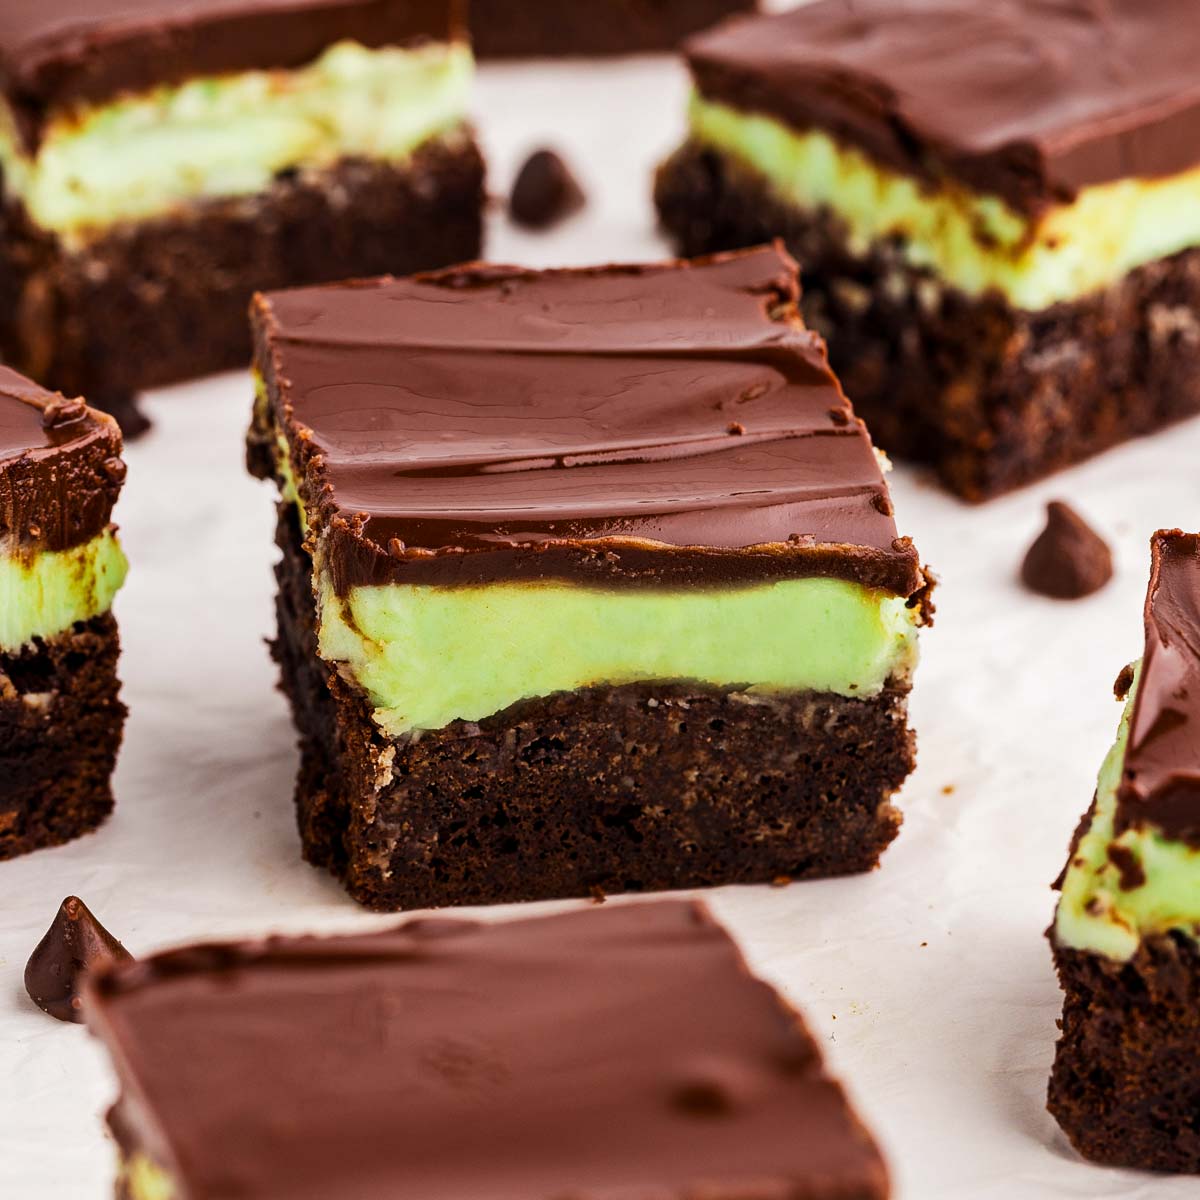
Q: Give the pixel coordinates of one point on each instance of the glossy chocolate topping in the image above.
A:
(654, 423)
(56, 52)
(60, 468)
(1160, 785)
(1030, 100)
(614, 1052)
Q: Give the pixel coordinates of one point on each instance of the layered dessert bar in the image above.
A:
(1126, 1080)
(541, 28)
(60, 566)
(590, 582)
(161, 161)
(996, 208)
(564, 1056)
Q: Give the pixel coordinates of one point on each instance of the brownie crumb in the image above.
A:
(1123, 682)
(545, 191)
(1069, 560)
(72, 945)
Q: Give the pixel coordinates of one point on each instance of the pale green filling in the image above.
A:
(426, 656)
(143, 155)
(44, 594)
(1095, 913)
(972, 242)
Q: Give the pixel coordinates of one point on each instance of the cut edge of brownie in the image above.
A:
(150, 303)
(1125, 1085)
(777, 787)
(61, 723)
(991, 396)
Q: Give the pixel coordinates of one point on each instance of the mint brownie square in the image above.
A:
(996, 208)
(590, 583)
(1126, 1080)
(162, 161)
(60, 566)
(525, 1060)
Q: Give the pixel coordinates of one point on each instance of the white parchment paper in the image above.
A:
(929, 981)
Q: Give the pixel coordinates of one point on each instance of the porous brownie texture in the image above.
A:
(1125, 1086)
(513, 28)
(989, 395)
(635, 788)
(61, 722)
(153, 302)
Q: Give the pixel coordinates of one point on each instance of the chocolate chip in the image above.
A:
(74, 944)
(545, 191)
(1069, 559)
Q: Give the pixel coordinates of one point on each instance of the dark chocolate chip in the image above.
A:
(545, 191)
(74, 944)
(1069, 559)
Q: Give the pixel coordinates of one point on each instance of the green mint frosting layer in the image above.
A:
(1095, 913)
(972, 242)
(427, 656)
(143, 155)
(44, 594)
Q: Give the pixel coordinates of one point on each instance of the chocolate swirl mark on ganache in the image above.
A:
(1024, 99)
(657, 423)
(1160, 781)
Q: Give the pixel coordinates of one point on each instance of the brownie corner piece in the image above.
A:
(516, 679)
(563, 1056)
(199, 153)
(996, 309)
(61, 718)
(1125, 1079)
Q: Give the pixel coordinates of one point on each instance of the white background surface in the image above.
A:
(929, 981)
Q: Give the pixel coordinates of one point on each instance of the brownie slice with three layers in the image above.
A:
(996, 208)
(162, 161)
(624, 1051)
(60, 566)
(1126, 1079)
(590, 582)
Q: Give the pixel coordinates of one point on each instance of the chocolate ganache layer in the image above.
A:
(60, 470)
(1029, 100)
(1160, 782)
(652, 424)
(55, 53)
(564, 1056)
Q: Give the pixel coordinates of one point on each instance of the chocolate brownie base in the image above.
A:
(540, 28)
(1126, 1081)
(60, 730)
(155, 302)
(611, 789)
(991, 396)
